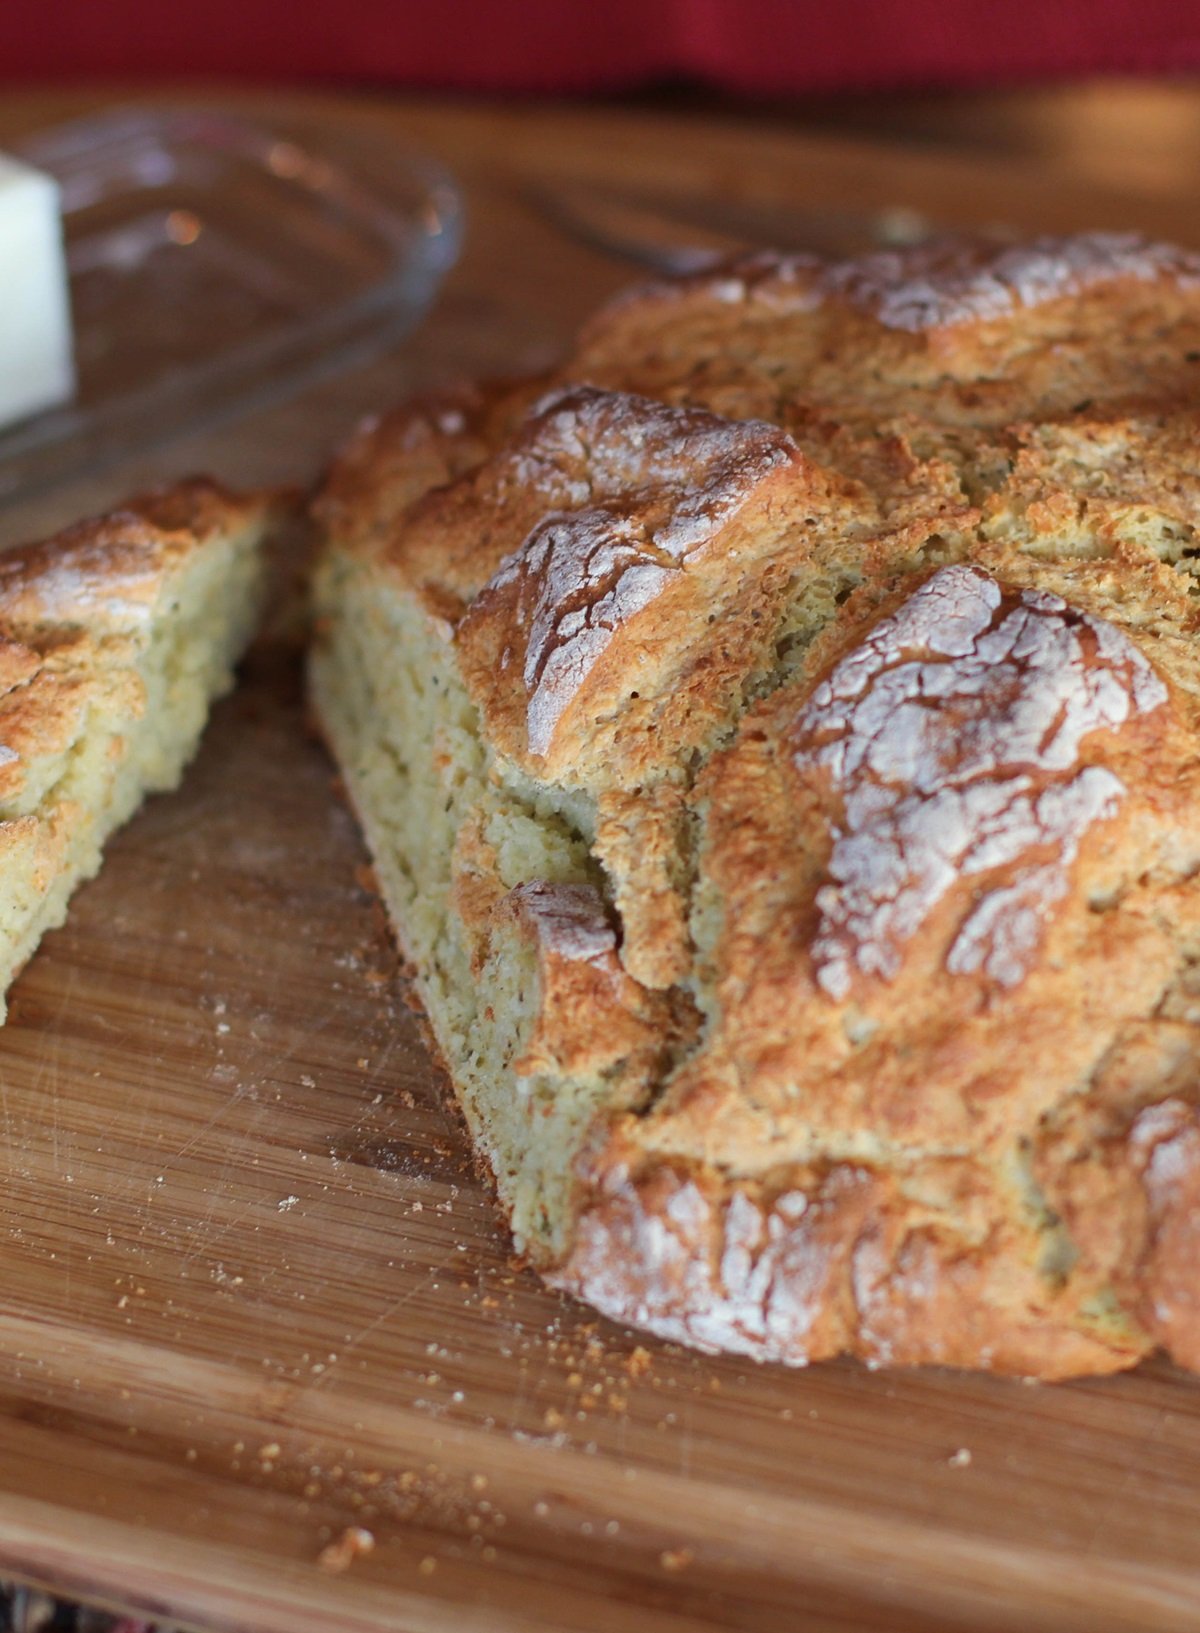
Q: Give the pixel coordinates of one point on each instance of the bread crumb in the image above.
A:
(354, 1542)
(675, 1559)
(961, 1459)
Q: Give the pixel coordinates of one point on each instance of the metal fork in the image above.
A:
(680, 233)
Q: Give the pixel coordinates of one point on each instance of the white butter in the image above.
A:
(35, 311)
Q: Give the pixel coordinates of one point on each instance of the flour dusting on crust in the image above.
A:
(588, 575)
(950, 741)
(568, 920)
(661, 483)
(780, 742)
(965, 287)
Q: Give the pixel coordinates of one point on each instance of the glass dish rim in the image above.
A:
(424, 239)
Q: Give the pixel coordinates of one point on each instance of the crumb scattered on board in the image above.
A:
(354, 1542)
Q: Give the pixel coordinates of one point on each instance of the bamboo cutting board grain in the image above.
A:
(264, 1360)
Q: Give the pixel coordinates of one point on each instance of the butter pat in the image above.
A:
(35, 311)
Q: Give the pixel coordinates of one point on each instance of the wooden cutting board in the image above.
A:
(264, 1360)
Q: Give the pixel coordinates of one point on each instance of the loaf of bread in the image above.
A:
(114, 638)
(776, 736)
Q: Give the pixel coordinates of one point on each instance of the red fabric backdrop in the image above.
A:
(772, 46)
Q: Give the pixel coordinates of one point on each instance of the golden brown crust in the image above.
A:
(851, 611)
(80, 614)
(958, 334)
(591, 1014)
(810, 1264)
(614, 520)
(641, 841)
(70, 601)
(1165, 1148)
(100, 572)
(939, 981)
(393, 460)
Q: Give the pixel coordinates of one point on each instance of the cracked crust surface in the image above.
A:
(843, 619)
(114, 635)
(71, 602)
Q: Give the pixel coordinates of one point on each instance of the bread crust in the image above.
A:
(849, 613)
(63, 598)
(75, 611)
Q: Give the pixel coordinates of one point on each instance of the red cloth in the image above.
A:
(767, 46)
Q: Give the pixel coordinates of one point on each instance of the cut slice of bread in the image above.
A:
(115, 636)
(778, 739)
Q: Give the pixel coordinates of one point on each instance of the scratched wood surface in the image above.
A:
(264, 1361)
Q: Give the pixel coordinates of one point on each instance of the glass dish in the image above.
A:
(215, 267)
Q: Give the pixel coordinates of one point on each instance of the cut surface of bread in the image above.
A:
(115, 636)
(777, 739)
